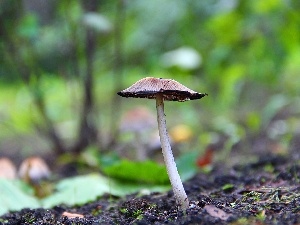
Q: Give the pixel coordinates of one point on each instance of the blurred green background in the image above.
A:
(62, 63)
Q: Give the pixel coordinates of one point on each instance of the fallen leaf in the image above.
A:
(216, 212)
(206, 159)
(74, 190)
(16, 195)
(72, 215)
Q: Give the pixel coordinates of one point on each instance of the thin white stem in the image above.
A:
(174, 177)
(141, 152)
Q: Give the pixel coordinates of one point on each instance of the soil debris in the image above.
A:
(265, 192)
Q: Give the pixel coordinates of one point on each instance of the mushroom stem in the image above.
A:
(177, 186)
(141, 152)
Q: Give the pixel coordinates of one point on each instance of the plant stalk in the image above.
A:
(177, 186)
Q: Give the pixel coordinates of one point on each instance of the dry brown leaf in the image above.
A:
(72, 215)
(216, 212)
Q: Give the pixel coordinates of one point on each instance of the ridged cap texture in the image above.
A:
(150, 86)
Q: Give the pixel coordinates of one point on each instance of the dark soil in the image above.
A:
(265, 192)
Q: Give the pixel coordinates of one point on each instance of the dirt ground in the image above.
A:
(264, 192)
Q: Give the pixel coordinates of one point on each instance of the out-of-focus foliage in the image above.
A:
(248, 61)
(75, 190)
(144, 172)
(16, 195)
(244, 54)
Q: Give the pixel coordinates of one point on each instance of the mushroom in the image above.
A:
(7, 169)
(138, 121)
(169, 90)
(34, 169)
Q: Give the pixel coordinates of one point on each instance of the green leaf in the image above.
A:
(275, 104)
(82, 189)
(14, 195)
(231, 85)
(253, 121)
(186, 165)
(142, 172)
(29, 26)
(227, 187)
(78, 190)
(97, 22)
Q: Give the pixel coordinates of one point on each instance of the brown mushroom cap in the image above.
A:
(150, 86)
(34, 169)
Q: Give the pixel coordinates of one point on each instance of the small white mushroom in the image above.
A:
(33, 170)
(170, 90)
(139, 121)
(7, 169)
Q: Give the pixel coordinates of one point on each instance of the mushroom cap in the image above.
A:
(150, 86)
(34, 169)
(7, 169)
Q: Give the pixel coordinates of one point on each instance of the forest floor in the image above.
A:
(264, 192)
